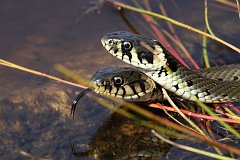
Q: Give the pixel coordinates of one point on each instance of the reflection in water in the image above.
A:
(122, 138)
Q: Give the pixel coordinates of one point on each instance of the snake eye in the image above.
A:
(110, 41)
(118, 81)
(127, 45)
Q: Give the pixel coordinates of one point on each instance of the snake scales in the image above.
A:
(170, 74)
(217, 84)
(133, 85)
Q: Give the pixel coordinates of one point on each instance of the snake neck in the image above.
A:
(187, 84)
(166, 70)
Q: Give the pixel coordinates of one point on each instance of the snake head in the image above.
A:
(126, 83)
(135, 49)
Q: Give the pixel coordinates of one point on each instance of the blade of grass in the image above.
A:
(195, 150)
(174, 119)
(238, 7)
(156, 118)
(194, 98)
(165, 42)
(221, 7)
(160, 36)
(205, 54)
(119, 4)
(186, 112)
(181, 46)
(30, 156)
(228, 3)
(228, 110)
(139, 120)
(206, 108)
(206, 18)
(15, 66)
(235, 109)
(182, 115)
(233, 116)
(176, 39)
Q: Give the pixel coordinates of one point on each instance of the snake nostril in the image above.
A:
(97, 82)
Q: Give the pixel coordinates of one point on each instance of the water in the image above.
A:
(34, 114)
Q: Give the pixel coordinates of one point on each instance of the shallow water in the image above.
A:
(34, 114)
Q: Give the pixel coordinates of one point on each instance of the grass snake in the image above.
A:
(133, 85)
(155, 61)
(217, 84)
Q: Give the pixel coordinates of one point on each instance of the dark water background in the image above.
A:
(34, 111)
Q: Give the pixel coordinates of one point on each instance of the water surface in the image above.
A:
(34, 115)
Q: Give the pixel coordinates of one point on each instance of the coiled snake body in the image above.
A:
(158, 63)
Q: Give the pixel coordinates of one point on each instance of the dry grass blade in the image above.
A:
(182, 115)
(28, 155)
(169, 115)
(12, 65)
(195, 150)
(146, 123)
(158, 119)
(177, 40)
(205, 107)
(228, 3)
(119, 4)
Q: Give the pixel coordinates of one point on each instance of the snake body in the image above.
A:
(157, 62)
(133, 85)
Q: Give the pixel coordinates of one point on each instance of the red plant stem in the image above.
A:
(235, 109)
(218, 108)
(122, 5)
(209, 129)
(173, 125)
(164, 40)
(186, 112)
(200, 124)
(222, 7)
(231, 4)
(170, 26)
(162, 9)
